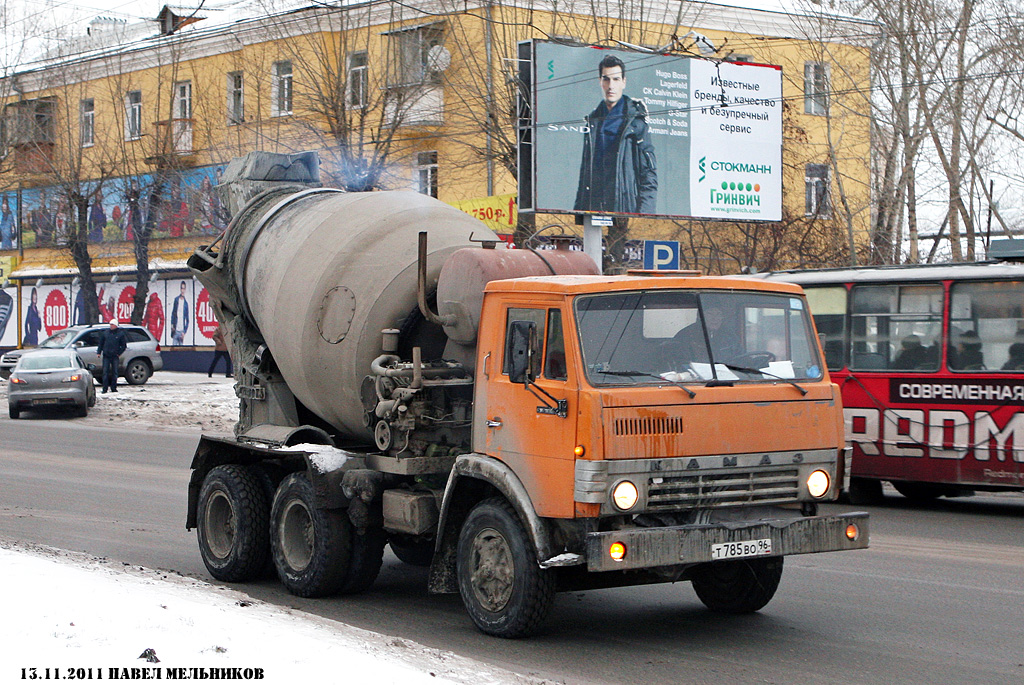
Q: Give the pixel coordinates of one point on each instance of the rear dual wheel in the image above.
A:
(317, 552)
(232, 523)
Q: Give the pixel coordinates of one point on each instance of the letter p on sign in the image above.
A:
(661, 254)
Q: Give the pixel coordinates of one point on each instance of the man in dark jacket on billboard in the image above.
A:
(618, 172)
(112, 343)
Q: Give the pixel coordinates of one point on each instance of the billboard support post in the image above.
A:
(593, 238)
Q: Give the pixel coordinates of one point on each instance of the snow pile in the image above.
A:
(69, 611)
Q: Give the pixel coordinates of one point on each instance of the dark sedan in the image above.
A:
(44, 379)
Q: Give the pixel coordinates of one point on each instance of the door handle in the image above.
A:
(494, 423)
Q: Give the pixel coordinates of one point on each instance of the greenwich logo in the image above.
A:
(736, 194)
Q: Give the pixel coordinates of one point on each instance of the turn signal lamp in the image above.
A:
(580, 450)
(818, 483)
(617, 551)
(625, 495)
(73, 379)
(18, 381)
(852, 532)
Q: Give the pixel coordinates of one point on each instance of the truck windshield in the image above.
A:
(637, 338)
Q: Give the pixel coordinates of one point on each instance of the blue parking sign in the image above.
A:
(661, 254)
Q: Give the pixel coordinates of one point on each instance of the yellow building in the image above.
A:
(123, 132)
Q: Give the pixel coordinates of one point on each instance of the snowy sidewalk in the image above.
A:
(72, 616)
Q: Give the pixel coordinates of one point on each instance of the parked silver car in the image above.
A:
(44, 379)
(137, 362)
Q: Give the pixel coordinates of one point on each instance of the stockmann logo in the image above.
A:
(700, 165)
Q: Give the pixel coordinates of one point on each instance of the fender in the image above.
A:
(255, 446)
(468, 484)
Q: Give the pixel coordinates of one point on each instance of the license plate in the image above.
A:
(737, 550)
(48, 400)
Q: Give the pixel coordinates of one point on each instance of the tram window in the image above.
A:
(896, 327)
(828, 307)
(986, 326)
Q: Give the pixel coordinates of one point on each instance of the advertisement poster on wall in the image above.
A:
(171, 205)
(46, 310)
(206, 319)
(640, 134)
(8, 317)
(179, 315)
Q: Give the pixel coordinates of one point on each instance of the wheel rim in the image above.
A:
(220, 525)
(493, 572)
(137, 371)
(296, 535)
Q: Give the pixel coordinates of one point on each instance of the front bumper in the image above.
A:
(691, 544)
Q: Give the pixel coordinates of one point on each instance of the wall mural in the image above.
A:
(173, 205)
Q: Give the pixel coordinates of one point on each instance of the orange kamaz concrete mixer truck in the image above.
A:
(512, 419)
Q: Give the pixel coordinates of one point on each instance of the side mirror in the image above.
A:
(520, 351)
(91, 367)
(78, 343)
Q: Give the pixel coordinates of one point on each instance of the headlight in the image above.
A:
(625, 495)
(818, 483)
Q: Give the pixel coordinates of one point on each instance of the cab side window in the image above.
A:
(522, 314)
(554, 354)
(135, 335)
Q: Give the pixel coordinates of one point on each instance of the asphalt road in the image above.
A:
(937, 598)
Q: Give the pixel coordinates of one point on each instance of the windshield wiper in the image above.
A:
(747, 369)
(630, 374)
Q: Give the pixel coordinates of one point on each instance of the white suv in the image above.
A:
(137, 362)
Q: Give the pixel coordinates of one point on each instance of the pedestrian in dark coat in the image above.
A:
(112, 343)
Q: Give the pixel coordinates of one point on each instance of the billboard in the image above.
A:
(171, 205)
(616, 132)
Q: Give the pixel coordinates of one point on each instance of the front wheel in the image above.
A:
(504, 589)
(137, 372)
(232, 523)
(311, 546)
(742, 586)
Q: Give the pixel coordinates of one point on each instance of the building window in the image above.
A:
(816, 196)
(236, 99)
(426, 163)
(133, 115)
(357, 80)
(29, 122)
(417, 56)
(282, 96)
(87, 122)
(815, 88)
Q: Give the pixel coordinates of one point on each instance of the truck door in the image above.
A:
(527, 427)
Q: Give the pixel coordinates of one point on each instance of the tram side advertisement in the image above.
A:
(954, 430)
(638, 134)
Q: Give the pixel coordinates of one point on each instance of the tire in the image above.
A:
(865, 491)
(920, 492)
(13, 411)
(311, 546)
(504, 589)
(413, 551)
(742, 586)
(82, 411)
(365, 561)
(233, 523)
(137, 372)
